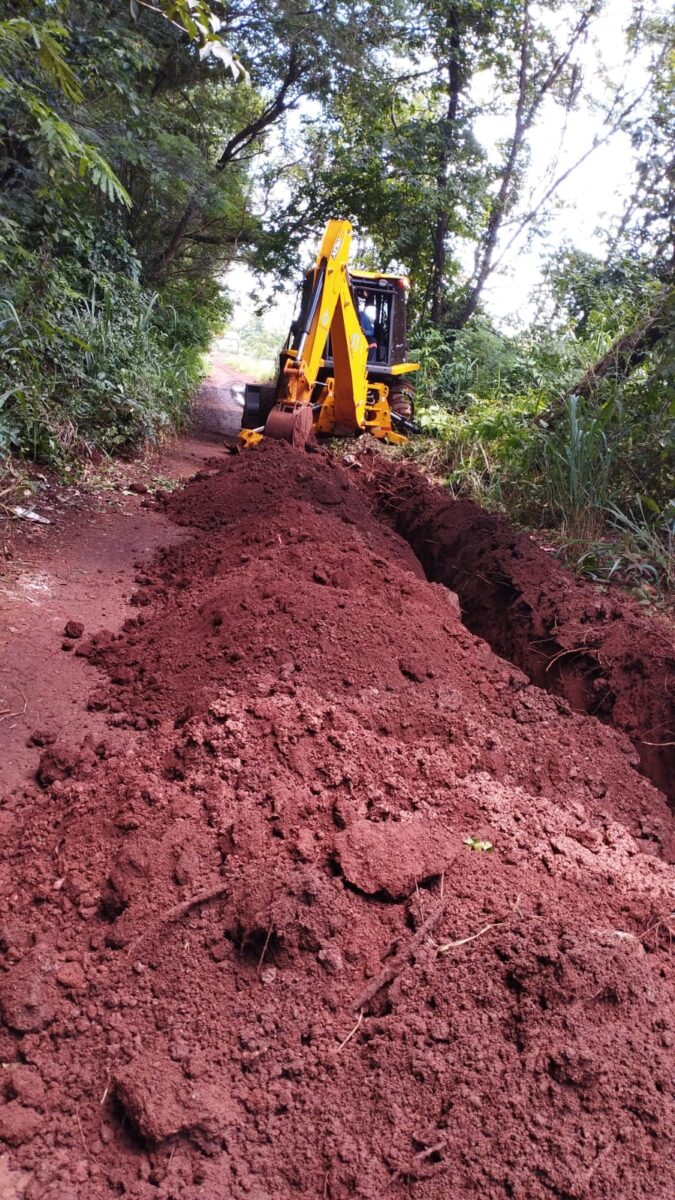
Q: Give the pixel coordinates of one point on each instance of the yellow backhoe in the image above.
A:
(342, 369)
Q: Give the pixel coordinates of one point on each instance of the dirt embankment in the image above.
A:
(260, 953)
(598, 651)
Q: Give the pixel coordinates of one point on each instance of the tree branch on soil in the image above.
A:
(178, 911)
(401, 961)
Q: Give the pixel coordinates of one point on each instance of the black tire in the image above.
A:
(258, 402)
(402, 401)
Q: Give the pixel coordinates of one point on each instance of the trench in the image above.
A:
(597, 651)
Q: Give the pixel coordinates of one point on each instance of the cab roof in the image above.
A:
(380, 275)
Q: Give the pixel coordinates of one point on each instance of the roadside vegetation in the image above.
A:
(147, 146)
(553, 426)
(98, 350)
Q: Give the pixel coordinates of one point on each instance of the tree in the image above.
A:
(38, 49)
(288, 53)
(632, 347)
(106, 123)
(544, 68)
(405, 154)
(648, 220)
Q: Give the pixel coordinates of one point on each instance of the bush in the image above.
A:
(89, 359)
(597, 472)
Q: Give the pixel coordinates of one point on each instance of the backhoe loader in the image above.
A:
(341, 371)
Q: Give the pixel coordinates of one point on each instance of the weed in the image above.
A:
(479, 844)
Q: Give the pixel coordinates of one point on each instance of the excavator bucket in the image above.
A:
(292, 425)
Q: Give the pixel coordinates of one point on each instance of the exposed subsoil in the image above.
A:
(601, 652)
(246, 949)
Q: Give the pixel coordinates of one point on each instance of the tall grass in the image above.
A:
(99, 371)
(578, 463)
(595, 474)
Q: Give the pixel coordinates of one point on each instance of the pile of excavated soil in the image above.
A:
(601, 652)
(359, 912)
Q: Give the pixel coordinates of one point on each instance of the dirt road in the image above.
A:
(81, 568)
(332, 901)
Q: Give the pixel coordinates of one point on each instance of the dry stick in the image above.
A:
(79, 1126)
(350, 1034)
(573, 650)
(20, 712)
(463, 941)
(180, 910)
(264, 949)
(399, 964)
(515, 907)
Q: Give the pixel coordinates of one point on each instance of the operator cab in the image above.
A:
(380, 302)
(373, 309)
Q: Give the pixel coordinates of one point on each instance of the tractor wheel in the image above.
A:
(402, 401)
(258, 403)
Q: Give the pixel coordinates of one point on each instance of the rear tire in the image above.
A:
(258, 403)
(402, 401)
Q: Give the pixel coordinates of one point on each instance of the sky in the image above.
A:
(591, 200)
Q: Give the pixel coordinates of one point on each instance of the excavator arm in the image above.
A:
(331, 310)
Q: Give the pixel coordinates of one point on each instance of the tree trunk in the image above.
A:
(486, 251)
(629, 350)
(174, 243)
(230, 153)
(527, 107)
(448, 129)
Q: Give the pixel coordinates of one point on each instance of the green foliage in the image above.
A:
(94, 355)
(257, 339)
(596, 299)
(595, 470)
(87, 371)
(578, 462)
(200, 22)
(478, 844)
(38, 49)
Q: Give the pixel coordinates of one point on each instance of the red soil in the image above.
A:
(247, 952)
(601, 652)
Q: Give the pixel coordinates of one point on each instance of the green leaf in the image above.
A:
(478, 844)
